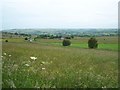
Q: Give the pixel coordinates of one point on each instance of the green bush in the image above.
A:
(66, 42)
(92, 43)
(6, 40)
(26, 38)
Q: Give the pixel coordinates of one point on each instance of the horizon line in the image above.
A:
(60, 28)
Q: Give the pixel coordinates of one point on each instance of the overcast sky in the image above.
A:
(59, 14)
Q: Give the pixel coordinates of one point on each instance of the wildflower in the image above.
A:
(27, 65)
(42, 62)
(5, 54)
(33, 58)
(104, 87)
(43, 68)
(50, 61)
(9, 55)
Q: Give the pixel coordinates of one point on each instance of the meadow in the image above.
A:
(45, 63)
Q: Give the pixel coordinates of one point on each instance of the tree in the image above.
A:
(67, 37)
(66, 42)
(16, 33)
(26, 38)
(6, 40)
(72, 36)
(92, 43)
(51, 37)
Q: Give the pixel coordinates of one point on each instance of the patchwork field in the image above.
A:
(45, 63)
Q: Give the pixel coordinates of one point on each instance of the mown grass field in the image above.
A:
(60, 67)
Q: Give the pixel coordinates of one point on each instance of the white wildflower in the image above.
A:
(104, 87)
(5, 54)
(42, 62)
(27, 65)
(33, 58)
(9, 55)
(43, 68)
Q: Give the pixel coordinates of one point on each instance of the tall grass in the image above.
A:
(57, 67)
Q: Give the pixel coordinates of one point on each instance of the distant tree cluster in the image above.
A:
(69, 37)
(22, 34)
(47, 36)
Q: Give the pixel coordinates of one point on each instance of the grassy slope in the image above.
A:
(64, 66)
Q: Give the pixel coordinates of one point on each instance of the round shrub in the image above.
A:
(6, 40)
(66, 42)
(92, 43)
(26, 38)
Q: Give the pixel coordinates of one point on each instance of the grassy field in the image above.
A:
(56, 66)
(105, 43)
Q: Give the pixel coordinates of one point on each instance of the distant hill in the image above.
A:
(97, 32)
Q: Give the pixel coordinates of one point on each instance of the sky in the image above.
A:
(59, 14)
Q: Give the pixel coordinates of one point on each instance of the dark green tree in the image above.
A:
(92, 43)
(6, 40)
(26, 38)
(66, 42)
